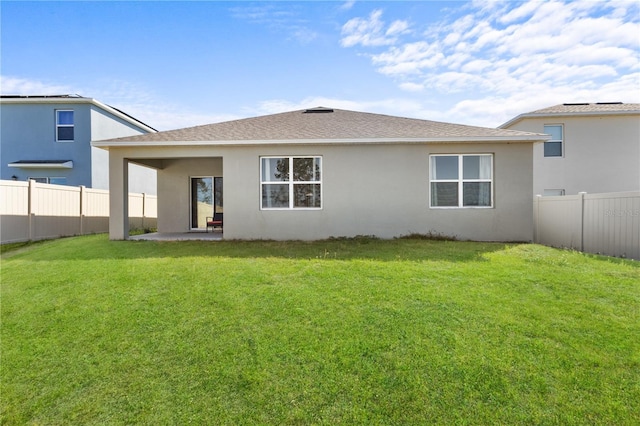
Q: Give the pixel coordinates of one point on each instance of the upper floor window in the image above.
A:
(461, 180)
(64, 126)
(553, 147)
(291, 182)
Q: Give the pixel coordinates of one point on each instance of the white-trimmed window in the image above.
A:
(553, 192)
(553, 147)
(291, 182)
(51, 180)
(64, 125)
(461, 180)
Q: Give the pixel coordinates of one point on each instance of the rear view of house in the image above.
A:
(322, 172)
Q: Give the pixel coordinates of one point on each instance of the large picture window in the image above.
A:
(64, 126)
(461, 180)
(291, 182)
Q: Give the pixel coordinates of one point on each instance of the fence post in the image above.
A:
(536, 219)
(30, 208)
(582, 194)
(144, 207)
(82, 208)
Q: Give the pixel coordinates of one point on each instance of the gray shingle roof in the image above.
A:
(589, 108)
(326, 124)
(579, 109)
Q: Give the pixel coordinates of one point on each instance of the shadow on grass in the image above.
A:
(407, 249)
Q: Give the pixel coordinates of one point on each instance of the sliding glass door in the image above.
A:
(206, 192)
(201, 201)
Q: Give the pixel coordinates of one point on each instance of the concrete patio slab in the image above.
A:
(178, 236)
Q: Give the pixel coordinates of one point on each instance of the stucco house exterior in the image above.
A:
(594, 147)
(48, 139)
(321, 172)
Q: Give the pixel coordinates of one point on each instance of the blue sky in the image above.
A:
(178, 64)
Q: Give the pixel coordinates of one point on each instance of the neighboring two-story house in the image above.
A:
(594, 148)
(48, 139)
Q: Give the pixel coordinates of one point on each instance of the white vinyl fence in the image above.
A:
(606, 224)
(35, 211)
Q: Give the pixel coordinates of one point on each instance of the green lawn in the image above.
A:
(361, 331)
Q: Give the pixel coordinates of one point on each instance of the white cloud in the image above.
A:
(411, 87)
(398, 27)
(173, 117)
(408, 59)
(393, 106)
(22, 86)
(277, 18)
(347, 5)
(304, 35)
(493, 60)
(263, 14)
(455, 82)
(135, 100)
(370, 31)
(518, 13)
(476, 65)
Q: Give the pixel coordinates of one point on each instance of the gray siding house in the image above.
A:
(48, 139)
(594, 147)
(319, 173)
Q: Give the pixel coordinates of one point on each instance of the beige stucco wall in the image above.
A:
(380, 190)
(174, 184)
(601, 154)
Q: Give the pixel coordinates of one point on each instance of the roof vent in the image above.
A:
(576, 104)
(318, 110)
(608, 103)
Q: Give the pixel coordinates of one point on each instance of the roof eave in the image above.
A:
(368, 141)
(563, 114)
(81, 100)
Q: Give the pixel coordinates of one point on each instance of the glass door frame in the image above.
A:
(216, 200)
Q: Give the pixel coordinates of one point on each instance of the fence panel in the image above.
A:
(32, 211)
(96, 202)
(612, 224)
(151, 206)
(558, 221)
(95, 211)
(55, 211)
(606, 224)
(14, 210)
(14, 198)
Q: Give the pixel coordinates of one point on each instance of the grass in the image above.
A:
(359, 331)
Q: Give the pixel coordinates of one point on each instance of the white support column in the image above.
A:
(118, 196)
